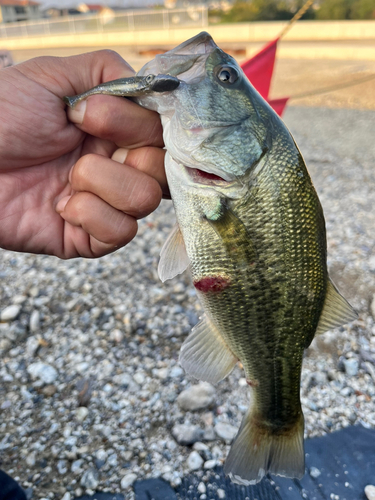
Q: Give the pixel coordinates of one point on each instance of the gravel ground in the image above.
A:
(91, 393)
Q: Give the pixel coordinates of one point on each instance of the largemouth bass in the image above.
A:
(251, 228)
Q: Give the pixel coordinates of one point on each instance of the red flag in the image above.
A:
(278, 104)
(259, 70)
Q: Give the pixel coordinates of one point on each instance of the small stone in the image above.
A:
(176, 371)
(220, 493)
(187, 434)
(31, 459)
(76, 466)
(139, 378)
(370, 492)
(202, 487)
(90, 479)
(10, 313)
(162, 373)
(34, 322)
(62, 467)
(128, 480)
(225, 431)
(19, 299)
(210, 464)
(81, 413)
(207, 418)
(194, 461)
(373, 307)
(198, 446)
(197, 397)
(317, 378)
(101, 454)
(314, 472)
(209, 434)
(66, 496)
(351, 366)
(32, 345)
(49, 390)
(116, 335)
(112, 460)
(45, 373)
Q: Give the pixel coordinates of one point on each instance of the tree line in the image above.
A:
(274, 10)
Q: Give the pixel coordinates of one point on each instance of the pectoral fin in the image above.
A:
(205, 354)
(173, 257)
(336, 310)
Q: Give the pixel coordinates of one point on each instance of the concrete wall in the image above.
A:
(229, 33)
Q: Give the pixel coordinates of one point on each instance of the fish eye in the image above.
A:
(227, 74)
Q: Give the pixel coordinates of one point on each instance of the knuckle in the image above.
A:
(78, 204)
(110, 55)
(81, 171)
(103, 123)
(122, 229)
(155, 132)
(149, 196)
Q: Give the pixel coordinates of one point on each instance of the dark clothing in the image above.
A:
(9, 489)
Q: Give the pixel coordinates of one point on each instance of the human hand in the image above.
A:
(74, 190)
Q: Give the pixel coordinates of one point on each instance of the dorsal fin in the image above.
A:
(336, 310)
(173, 256)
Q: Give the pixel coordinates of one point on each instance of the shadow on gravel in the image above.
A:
(338, 465)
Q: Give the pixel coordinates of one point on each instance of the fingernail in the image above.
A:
(62, 204)
(70, 175)
(77, 113)
(120, 155)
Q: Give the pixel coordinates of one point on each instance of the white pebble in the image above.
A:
(225, 431)
(10, 313)
(210, 464)
(45, 373)
(34, 322)
(81, 413)
(66, 496)
(197, 397)
(128, 480)
(202, 488)
(370, 492)
(314, 472)
(220, 493)
(194, 461)
(139, 378)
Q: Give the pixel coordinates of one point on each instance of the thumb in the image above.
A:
(76, 74)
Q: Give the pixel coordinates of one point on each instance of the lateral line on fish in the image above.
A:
(278, 340)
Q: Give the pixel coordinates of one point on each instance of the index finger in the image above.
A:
(118, 120)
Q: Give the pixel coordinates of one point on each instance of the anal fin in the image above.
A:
(205, 354)
(173, 257)
(336, 310)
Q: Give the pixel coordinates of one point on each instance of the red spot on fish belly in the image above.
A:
(211, 284)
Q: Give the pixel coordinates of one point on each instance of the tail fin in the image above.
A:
(256, 451)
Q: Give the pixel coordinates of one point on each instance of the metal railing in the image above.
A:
(109, 21)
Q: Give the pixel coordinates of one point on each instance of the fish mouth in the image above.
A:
(202, 177)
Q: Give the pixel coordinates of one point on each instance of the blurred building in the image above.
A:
(82, 8)
(211, 4)
(19, 10)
